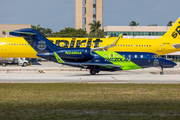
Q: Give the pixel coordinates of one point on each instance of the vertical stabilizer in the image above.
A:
(39, 43)
(174, 31)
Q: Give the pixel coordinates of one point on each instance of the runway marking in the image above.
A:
(113, 78)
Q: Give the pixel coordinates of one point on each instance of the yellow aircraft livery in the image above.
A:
(170, 42)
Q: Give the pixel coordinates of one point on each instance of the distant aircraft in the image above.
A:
(170, 42)
(88, 58)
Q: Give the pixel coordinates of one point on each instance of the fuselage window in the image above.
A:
(141, 56)
(128, 45)
(144, 45)
(135, 56)
(136, 45)
(149, 45)
(14, 44)
(19, 44)
(121, 45)
(141, 45)
(22, 44)
(129, 56)
(11, 44)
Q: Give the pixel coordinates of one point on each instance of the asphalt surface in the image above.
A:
(49, 72)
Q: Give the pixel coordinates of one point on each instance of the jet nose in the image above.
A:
(166, 63)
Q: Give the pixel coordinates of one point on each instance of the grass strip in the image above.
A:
(89, 101)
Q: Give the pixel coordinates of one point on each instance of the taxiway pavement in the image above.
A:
(49, 72)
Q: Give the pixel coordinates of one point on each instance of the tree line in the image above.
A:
(95, 30)
(134, 23)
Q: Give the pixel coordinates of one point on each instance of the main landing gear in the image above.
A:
(161, 71)
(94, 71)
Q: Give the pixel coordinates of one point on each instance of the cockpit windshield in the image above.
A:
(156, 56)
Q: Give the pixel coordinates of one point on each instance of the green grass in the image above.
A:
(90, 101)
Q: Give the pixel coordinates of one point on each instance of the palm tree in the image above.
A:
(133, 23)
(36, 27)
(170, 23)
(95, 28)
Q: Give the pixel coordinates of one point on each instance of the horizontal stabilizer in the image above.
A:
(109, 46)
(16, 33)
(176, 45)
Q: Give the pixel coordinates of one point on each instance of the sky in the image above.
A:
(58, 14)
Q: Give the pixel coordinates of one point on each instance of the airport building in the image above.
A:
(136, 31)
(11, 27)
(86, 11)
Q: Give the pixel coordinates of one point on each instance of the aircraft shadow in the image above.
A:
(35, 63)
(94, 75)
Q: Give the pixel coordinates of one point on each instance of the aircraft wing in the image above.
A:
(109, 46)
(176, 45)
(94, 64)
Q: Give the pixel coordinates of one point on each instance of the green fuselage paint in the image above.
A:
(117, 59)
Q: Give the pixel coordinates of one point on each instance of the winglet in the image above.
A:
(109, 46)
(117, 39)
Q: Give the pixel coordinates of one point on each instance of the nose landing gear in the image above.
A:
(161, 71)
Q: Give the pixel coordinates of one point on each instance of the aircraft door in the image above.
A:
(3, 44)
(159, 46)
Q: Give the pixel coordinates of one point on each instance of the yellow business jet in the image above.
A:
(170, 42)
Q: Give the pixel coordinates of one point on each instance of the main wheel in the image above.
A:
(3, 64)
(93, 71)
(24, 64)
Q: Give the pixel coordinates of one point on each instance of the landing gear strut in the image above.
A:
(161, 71)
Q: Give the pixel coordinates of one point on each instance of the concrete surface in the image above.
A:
(56, 73)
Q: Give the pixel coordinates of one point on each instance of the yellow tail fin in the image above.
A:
(174, 31)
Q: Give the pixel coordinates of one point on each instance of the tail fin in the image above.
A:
(174, 31)
(40, 43)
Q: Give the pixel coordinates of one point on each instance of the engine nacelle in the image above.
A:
(74, 53)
